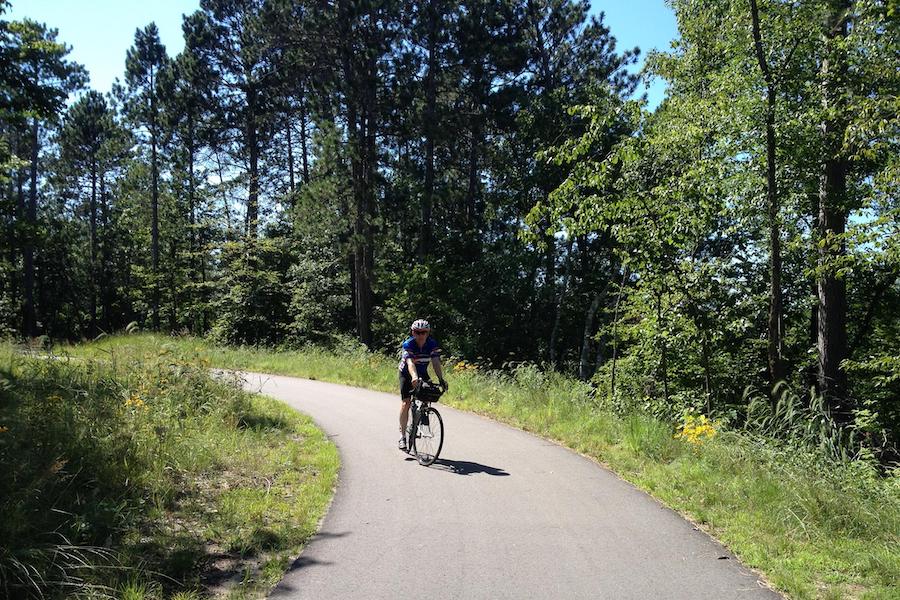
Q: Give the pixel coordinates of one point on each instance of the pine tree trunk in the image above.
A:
(360, 121)
(11, 220)
(290, 152)
(105, 291)
(554, 332)
(18, 230)
(615, 337)
(225, 206)
(195, 264)
(425, 230)
(360, 283)
(303, 135)
(475, 141)
(370, 153)
(546, 77)
(154, 219)
(473, 183)
(93, 269)
(173, 291)
(252, 141)
(28, 308)
(351, 269)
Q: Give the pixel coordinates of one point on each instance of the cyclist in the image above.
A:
(417, 351)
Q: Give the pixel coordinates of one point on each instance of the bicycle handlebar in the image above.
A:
(435, 391)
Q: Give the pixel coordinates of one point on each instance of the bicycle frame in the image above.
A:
(416, 409)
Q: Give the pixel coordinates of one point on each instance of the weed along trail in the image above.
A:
(501, 514)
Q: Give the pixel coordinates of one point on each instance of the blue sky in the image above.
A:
(100, 31)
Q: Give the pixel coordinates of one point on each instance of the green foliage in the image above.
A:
(107, 463)
(36, 78)
(253, 306)
(807, 423)
(320, 304)
(680, 193)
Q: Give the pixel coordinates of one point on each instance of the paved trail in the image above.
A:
(502, 514)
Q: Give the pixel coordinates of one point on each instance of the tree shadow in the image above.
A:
(464, 467)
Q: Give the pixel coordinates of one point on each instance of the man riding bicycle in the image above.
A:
(417, 351)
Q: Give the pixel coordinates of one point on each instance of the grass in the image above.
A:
(815, 528)
(139, 476)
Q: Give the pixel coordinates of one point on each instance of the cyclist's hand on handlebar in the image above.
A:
(416, 383)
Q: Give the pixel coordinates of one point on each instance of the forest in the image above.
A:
(319, 174)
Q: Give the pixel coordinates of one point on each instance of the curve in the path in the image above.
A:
(502, 514)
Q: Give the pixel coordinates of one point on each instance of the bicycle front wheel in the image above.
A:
(429, 436)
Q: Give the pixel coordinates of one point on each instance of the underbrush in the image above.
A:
(815, 524)
(139, 476)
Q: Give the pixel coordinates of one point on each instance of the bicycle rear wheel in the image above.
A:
(429, 437)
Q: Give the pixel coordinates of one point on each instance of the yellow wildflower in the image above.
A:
(697, 429)
(135, 401)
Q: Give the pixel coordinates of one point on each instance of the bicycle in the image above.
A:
(425, 436)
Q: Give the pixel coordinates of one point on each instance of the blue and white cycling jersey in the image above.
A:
(421, 356)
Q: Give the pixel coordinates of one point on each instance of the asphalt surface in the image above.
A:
(502, 514)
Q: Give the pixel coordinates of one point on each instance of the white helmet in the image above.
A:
(420, 325)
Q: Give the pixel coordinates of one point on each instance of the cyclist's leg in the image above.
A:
(405, 401)
(413, 427)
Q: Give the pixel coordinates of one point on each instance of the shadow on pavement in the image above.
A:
(464, 467)
(284, 589)
(304, 561)
(328, 534)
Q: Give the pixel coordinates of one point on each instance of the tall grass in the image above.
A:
(805, 422)
(117, 476)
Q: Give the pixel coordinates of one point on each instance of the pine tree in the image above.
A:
(43, 80)
(143, 64)
(232, 40)
(87, 133)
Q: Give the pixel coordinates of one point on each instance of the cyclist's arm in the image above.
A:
(411, 367)
(438, 369)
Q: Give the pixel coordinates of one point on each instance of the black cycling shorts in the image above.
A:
(406, 383)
